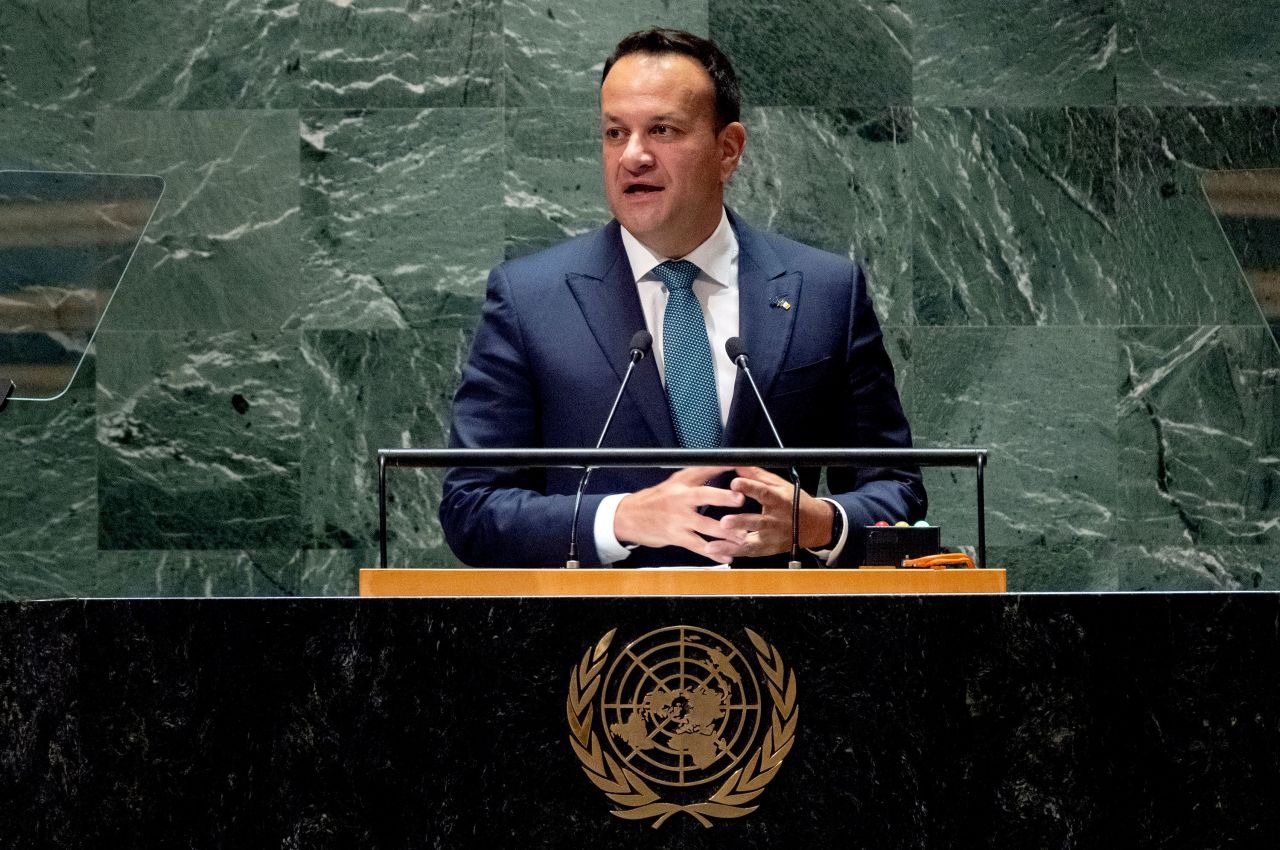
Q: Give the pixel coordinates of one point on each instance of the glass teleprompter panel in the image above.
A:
(66, 239)
(1247, 203)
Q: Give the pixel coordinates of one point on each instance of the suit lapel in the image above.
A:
(765, 323)
(606, 294)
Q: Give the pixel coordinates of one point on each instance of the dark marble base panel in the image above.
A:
(1109, 720)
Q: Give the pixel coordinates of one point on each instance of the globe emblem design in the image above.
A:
(680, 706)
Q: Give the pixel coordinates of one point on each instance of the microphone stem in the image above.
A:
(572, 563)
(795, 475)
(742, 364)
(617, 399)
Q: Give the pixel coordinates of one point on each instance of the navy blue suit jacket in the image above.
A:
(551, 350)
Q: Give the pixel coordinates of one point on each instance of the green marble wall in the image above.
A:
(1020, 178)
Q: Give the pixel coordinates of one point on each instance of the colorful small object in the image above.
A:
(902, 524)
(780, 302)
(882, 524)
(921, 524)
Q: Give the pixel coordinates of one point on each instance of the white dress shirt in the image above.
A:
(717, 290)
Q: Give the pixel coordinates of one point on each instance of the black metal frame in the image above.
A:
(676, 458)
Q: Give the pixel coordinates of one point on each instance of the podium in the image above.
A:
(673, 582)
(916, 720)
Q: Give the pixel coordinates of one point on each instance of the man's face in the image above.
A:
(665, 166)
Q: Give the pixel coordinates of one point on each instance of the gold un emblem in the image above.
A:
(681, 712)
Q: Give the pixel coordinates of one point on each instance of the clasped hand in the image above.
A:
(668, 514)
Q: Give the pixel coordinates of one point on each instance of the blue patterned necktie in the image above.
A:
(686, 358)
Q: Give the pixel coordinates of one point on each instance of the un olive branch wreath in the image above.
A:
(625, 788)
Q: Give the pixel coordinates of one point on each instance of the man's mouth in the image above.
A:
(637, 188)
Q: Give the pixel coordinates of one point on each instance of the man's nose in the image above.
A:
(636, 156)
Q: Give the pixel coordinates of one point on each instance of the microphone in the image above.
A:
(738, 354)
(641, 342)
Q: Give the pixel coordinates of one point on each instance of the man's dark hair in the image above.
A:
(702, 51)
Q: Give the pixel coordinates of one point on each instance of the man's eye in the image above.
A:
(662, 130)
(613, 133)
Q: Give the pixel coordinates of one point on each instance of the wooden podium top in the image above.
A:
(675, 582)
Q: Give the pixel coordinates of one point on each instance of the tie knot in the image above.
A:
(677, 274)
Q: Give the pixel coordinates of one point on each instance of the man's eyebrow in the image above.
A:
(666, 116)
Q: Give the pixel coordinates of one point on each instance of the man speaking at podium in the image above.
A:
(553, 346)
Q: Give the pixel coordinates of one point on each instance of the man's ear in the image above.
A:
(732, 139)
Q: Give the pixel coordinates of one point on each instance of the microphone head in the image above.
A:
(641, 342)
(734, 348)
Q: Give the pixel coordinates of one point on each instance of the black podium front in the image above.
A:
(946, 721)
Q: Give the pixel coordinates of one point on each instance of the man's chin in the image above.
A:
(642, 224)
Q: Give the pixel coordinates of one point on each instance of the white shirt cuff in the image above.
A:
(829, 555)
(607, 545)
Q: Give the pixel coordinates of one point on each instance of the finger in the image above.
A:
(754, 546)
(698, 546)
(717, 497)
(695, 475)
(755, 473)
(743, 522)
(722, 551)
(767, 542)
(762, 493)
(712, 528)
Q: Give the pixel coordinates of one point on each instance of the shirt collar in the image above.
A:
(716, 258)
